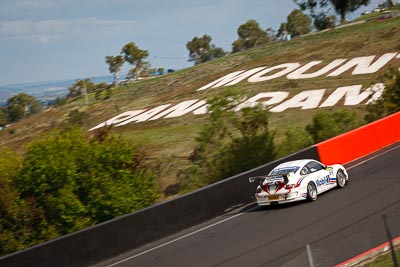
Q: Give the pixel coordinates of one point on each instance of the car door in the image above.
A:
(320, 175)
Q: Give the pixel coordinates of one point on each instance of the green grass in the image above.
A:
(384, 260)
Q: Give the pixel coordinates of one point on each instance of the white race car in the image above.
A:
(298, 180)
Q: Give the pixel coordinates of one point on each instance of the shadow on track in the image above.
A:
(276, 206)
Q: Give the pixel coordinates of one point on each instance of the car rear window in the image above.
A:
(284, 171)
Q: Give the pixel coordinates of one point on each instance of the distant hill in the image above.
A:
(328, 70)
(44, 91)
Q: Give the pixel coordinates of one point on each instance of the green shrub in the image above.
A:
(327, 124)
(68, 181)
(296, 139)
(389, 102)
(231, 142)
(77, 117)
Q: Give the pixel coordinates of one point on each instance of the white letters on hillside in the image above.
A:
(119, 118)
(361, 65)
(305, 100)
(144, 116)
(273, 98)
(364, 65)
(352, 95)
(286, 68)
(376, 90)
(277, 101)
(180, 109)
(231, 79)
(299, 73)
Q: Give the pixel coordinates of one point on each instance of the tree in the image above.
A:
(296, 139)
(231, 142)
(201, 50)
(198, 47)
(322, 22)
(386, 4)
(271, 34)
(86, 86)
(145, 70)
(298, 23)
(134, 56)
(250, 35)
(346, 6)
(282, 31)
(81, 87)
(327, 124)
(77, 181)
(389, 102)
(22, 224)
(214, 52)
(67, 181)
(22, 106)
(341, 7)
(114, 66)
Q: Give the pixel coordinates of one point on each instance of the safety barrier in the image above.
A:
(361, 141)
(111, 238)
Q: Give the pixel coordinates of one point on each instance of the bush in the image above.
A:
(21, 223)
(296, 139)
(79, 182)
(389, 102)
(66, 182)
(76, 117)
(327, 124)
(232, 142)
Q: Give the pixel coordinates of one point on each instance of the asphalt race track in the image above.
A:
(339, 225)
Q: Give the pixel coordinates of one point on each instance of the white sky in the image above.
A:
(43, 40)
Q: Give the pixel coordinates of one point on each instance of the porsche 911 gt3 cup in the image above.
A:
(298, 180)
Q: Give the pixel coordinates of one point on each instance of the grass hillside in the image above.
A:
(169, 142)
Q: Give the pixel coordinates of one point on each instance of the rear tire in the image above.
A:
(340, 179)
(311, 191)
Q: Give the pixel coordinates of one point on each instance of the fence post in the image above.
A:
(389, 235)
(309, 256)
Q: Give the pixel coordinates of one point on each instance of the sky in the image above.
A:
(49, 40)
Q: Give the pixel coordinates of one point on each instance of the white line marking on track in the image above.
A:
(227, 219)
(180, 238)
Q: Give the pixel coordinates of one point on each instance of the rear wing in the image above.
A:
(259, 179)
(269, 179)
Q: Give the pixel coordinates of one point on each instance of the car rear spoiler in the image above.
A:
(270, 179)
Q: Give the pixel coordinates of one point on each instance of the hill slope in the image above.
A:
(169, 141)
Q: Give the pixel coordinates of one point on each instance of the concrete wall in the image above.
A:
(117, 236)
(361, 141)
